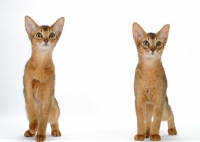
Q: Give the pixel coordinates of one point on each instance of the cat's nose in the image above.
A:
(46, 40)
(152, 49)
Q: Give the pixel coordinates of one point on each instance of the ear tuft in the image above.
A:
(58, 25)
(137, 31)
(163, 33)
(30, 25)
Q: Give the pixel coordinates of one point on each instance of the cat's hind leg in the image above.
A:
(55, 129)
(171, 126)
(148, 120)
(169, 117)
(53, 119)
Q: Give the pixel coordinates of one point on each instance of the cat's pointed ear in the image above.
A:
(137, 31)
(30, 25)
(163, 33)
(58, 25)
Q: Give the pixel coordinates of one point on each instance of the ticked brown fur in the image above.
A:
(150, 85)
(39, 79)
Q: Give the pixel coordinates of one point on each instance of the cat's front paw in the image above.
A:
(139, 137)
(155, 137)
(40, 138)
(172, 131)
(28, 134)
(56, 133)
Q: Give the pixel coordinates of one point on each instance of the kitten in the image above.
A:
(150, 85)
(39, 79)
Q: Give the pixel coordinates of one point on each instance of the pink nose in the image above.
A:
(152, 49)
(46, 40)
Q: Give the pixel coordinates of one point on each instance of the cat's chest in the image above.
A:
(41, 72)
(150, 76)
(44, 75)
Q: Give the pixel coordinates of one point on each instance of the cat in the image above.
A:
(150, 84)
(39, 79)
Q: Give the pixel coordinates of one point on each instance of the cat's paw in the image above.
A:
(139, 137)
(172, 131)
(155, 137)
(56, 133)
(40, 138)
(28, 134)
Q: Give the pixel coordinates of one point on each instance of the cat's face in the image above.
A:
(150, 45)
(43, 38)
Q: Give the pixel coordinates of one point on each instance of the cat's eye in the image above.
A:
(51, 35)
(145, 43)
(158, 44)
(38, 35)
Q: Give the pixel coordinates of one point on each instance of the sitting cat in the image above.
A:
(150, 84)
(39, 79)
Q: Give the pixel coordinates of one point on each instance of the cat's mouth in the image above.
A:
(46, 44)
(151, 55)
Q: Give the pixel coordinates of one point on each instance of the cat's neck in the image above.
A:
(41, 58)
(150, 63)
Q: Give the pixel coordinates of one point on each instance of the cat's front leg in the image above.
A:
(157, 116)
(30, 109)
(139, 105)
(46, 92)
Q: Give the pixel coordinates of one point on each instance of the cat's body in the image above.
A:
(39, 79)
(150, 84)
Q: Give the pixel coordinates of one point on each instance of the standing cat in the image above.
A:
(39, 79)
(150, 85)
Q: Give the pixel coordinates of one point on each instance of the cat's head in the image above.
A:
(150, 45)
(43, 37)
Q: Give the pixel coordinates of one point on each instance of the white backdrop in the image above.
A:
(95, 61)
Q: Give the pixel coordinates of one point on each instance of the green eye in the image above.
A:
(158, 43)
(145, 43)
(51, 35)
(38, 35)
